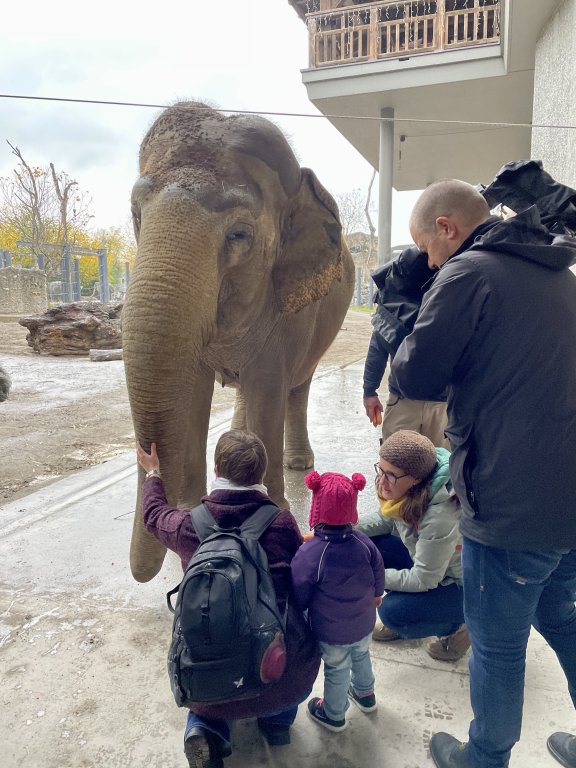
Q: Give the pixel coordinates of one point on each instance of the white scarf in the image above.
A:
(223, 484)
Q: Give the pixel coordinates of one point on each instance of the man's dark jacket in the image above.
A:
(398, 300)
(498, 328)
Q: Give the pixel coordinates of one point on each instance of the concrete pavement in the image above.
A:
(83, 646)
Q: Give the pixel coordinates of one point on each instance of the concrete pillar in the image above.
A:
(41, 260)
(385, 175)
(66, 275)
(358, 301)
(76, 287)
(103, 274)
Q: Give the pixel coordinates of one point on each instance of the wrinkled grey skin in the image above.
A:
(241, 273)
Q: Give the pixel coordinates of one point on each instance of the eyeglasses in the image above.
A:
(390, 476)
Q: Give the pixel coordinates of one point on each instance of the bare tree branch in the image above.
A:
(372, 229)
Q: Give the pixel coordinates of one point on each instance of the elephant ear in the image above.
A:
(310, 257)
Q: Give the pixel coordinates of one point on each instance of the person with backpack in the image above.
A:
(338, 577)
(288, 664)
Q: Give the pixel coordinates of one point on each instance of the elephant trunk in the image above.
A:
(166, 321)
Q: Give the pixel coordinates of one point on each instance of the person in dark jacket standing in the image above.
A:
(497, 327)
(237, 492)
(400, 289)
(338, 576)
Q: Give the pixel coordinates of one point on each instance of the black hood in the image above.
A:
(525, 237)
(410, 268)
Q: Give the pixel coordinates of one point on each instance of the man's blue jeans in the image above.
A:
(345, 664)
(505, 592)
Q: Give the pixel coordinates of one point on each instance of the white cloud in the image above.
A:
(231, 54)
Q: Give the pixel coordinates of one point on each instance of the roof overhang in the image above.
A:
(461, 113)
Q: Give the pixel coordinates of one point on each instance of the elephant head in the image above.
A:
(236, 244)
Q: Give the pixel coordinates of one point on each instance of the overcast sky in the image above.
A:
(235, 54)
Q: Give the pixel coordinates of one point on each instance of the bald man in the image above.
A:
(497, 328)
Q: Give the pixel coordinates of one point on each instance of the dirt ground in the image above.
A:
(67, 413)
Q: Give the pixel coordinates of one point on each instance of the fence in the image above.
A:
(387, 29)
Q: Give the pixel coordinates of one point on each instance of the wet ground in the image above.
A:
(83, 646)
(68, 413)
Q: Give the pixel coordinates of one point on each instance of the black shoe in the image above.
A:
(316, 712)
(448, 752)
(563, 747)
(276, 735)
(364, 703)
(202, 749)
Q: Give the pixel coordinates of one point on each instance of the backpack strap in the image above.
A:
(253, 527)
(202, 521)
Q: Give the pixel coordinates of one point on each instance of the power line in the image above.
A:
(482, 123)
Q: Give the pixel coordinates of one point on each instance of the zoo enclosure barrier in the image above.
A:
(68, 288)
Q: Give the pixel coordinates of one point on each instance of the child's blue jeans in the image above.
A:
(345, 664)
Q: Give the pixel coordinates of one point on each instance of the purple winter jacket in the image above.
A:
(280, 541)
(336, 576)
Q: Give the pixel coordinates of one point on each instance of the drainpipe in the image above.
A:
(385, 172)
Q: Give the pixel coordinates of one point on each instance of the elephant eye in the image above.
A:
(239, 234)
(136, 222)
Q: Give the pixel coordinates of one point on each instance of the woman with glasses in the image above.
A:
(416, 530)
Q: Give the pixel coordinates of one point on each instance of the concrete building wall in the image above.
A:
(555, 95)
(22, 291)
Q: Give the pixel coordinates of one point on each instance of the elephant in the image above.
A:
(241, 273)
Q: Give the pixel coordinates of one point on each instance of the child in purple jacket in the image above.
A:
(338, 576)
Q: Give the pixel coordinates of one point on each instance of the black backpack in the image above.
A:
(228, 633)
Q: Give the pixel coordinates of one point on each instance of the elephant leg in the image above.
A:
(265, 397)
(194, 467)
(239, 418)
(298, 453)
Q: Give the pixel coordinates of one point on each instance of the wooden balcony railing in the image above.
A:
(352, 33)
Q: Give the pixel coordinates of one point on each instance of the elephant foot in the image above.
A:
(299, 460)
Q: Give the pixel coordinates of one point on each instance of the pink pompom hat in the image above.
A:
(334, 498)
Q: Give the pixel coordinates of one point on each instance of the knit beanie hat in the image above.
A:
(410, 451)
(334, 498)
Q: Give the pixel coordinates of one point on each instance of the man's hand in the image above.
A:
(374, 409)
(377, 602)
(147, 461)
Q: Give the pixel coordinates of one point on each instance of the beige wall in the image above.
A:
(22, 290)
(555, 95)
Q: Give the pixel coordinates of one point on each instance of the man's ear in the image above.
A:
(447, 227)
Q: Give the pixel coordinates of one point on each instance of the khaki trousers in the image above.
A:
(427, 417)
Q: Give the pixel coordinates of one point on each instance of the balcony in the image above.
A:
(343, 32)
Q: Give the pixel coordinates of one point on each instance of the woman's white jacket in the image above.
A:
(435, 545)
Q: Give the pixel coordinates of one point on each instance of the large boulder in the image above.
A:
(75, 329)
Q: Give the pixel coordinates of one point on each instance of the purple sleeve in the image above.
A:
(162, 520)
(304, 568)
(376, 562)
(378, 568)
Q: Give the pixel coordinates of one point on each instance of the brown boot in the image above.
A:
(384, 634)
(450, 648)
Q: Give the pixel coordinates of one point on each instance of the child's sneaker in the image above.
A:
(316, 712)
(366, 703)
